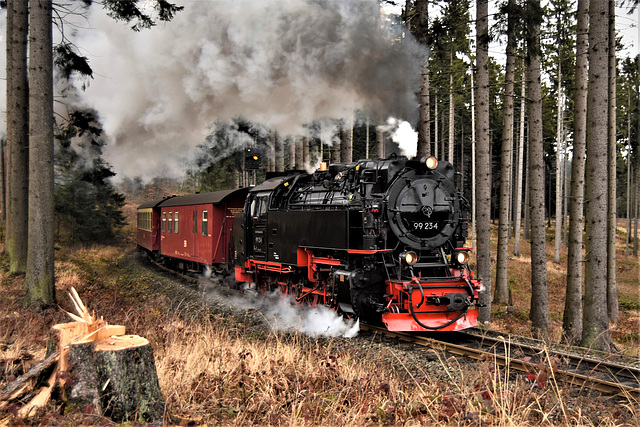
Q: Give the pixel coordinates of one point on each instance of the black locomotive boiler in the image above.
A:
(382, 239)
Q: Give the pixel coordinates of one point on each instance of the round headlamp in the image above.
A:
(462, 257)
(409, 257)
(431, 162)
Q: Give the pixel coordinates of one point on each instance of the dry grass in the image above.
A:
(226, 371)
(216, 375)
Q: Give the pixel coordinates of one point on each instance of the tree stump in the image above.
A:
(127, 382)
(103, 370)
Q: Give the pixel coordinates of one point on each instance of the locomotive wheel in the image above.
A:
(313, 300)
(284, 289)
(264, 287)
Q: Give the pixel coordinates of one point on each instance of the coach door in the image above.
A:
(193, 235)
(258, 225)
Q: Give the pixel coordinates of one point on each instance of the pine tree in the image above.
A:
(572, 319)
(483, 157)
(502, 292)
(39, 281)
(17, 135)
(87, 207)
(421, 31)
(539, 312)
(520, 169)
(612, 154)
(595, 320)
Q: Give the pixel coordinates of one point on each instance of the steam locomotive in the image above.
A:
(379, 239)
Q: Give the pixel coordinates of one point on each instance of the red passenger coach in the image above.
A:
(196, 230)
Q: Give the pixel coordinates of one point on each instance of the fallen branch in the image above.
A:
(33, 372)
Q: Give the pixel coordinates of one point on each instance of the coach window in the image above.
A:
(195, 222)
(205, 223)
(170, 227)
(164, 222)
(175, 223)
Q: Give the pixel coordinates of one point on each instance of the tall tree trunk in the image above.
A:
(299, 153)
(567, 185)
(305, 152)
(572, 319)
(559, 159)
(292, 154)
(347, 140)
(424, 128)
(626, 248)
(527, 197)
(271, 158)
(612, 217)
(483, 185)
(595, 320)
(518, 214)
(450, 157)
(637, 204)
(3, 181)
(39, 281)
(539, 312)
(336, 146)
(367, 138)
(629, 197)
(443, 140)
(501, 295)
(17, 135)
(436, 130)
(380, 143)
(279, 147)
(473, 166)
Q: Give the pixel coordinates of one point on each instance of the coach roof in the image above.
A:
(152, 203)
(205, 198)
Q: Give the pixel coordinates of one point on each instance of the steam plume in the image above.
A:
(281, 313)
(281, 63)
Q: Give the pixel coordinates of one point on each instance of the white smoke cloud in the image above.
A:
(281, 63)
(281, 313)
(402, 134)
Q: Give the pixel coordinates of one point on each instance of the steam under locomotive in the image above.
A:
(380, 239)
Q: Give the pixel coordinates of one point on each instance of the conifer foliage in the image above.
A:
(87, 206)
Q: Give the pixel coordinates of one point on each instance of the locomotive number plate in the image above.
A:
(425, 225)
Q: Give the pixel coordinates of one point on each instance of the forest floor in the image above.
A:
(224, 363)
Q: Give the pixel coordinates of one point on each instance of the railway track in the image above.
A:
(576, 369)
(526, 355)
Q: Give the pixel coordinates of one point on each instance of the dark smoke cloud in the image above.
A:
(280, 63)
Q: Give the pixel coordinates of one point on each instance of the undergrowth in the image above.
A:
(223, 370)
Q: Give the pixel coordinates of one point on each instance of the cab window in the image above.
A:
(259, 207)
